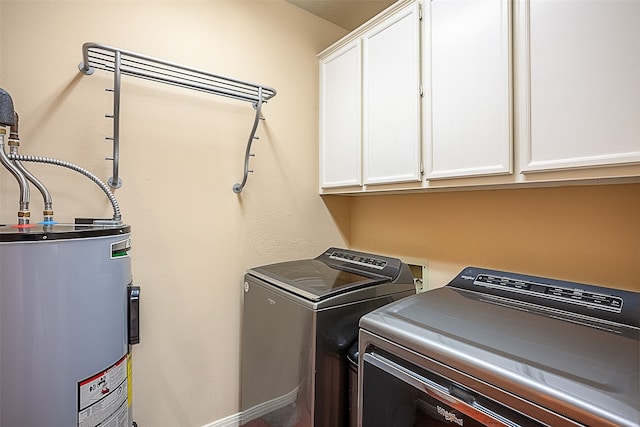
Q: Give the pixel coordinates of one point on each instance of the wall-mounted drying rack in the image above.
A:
(122, 62)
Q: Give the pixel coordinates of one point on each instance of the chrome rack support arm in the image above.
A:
(237, 188)
(115, 181)
(122, 62)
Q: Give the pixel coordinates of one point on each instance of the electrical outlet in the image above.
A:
(420, 270)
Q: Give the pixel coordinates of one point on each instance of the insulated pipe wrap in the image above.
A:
(7, 112)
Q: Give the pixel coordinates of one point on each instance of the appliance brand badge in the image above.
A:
(465, 277)
(450, 416)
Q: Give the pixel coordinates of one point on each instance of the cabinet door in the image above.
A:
(584, 83)
(391, 98)
(340, 117)
(468, 124)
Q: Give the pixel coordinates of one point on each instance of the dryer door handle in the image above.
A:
(456, 408)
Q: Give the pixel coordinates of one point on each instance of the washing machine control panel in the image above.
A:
(352, 258)
(370, 265)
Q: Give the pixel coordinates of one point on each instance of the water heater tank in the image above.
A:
(68, 315)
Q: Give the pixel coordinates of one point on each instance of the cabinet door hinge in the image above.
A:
(419, 11)
(421, 91)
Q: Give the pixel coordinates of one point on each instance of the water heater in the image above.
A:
(68, 316)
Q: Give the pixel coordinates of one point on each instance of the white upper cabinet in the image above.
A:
(468, 112)
(581, 60)
(370, 103)
(391, 95)
(514, 93)
(340, 117)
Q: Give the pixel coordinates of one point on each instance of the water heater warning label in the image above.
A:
(102, 398)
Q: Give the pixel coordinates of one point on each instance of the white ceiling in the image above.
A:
(348, 14)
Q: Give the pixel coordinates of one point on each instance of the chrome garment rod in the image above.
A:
(122, 62)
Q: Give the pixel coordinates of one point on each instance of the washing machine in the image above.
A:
(299, 320)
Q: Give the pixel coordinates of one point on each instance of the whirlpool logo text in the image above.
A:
(450, 416)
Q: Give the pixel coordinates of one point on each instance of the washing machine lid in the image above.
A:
(312, 279)
(335, 271)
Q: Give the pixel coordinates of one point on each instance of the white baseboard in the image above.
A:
(230, 421)
(269, 406)
(257, 411)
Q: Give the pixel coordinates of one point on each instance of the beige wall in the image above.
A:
(181, 153)
(587, 234)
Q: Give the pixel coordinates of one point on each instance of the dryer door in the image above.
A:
(408, 396)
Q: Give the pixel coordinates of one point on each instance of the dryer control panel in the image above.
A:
(595, 302)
